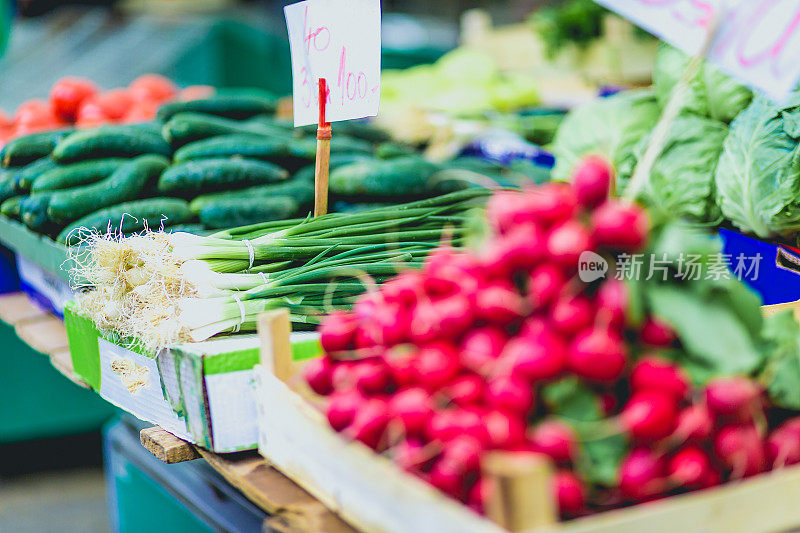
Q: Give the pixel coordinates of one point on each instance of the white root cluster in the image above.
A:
(132, 285)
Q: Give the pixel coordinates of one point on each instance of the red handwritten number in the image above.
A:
(351, 85)
(319, 38)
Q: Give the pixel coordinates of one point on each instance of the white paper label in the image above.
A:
(339, 40)
(756, 40)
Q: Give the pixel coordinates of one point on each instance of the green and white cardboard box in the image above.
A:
(200, 392)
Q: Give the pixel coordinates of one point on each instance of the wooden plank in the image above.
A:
(17, 307)
(166, 446)
(62, 361)
(522, 498)
(46, 334)
(274, 329)
(293, 508)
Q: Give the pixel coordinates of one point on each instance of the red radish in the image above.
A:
(390, 324)
(337, 332)
(371, 376)
(481, 347)
(534, 358)
(504, 431)
(656, 332)
(369, 422)
(612, 301)
(67, 95)
(555, 439)
(412, 407)
(436, 365)
(342, 408)
(455, 314)
(405, 289)
(318, 375)
(550, 203)
(740, 448)
(497, 304)
(655, 373)
(544, 285)
(571, 314)
(465, 390)
(153, 87)
(425, 326)
(694, 424)
(649, 415)
(367, 304)
(410, 455)
(597, 354)
(608, 403)
(509, 394)
(732, 396)
(783, 446)
(448, 476)
(591, 180)
(506, 210)
(620, 226)
(342, 376)
(533, 327)
(447, 424)
(690, 468)
(400, 360)
(478, 495)
(567, 241)
(521, 248)
(641, 475)
(570, 493)
(464, 450)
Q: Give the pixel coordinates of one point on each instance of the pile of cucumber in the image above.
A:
(221, 162)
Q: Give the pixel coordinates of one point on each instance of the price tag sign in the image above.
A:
(339, 40)
(756, 40)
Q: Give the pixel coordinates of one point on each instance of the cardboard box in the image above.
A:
(200, 392)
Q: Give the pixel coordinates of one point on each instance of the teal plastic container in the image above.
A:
(36, 401)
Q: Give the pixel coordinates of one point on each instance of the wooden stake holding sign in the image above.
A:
(336, 62)
(323, 163)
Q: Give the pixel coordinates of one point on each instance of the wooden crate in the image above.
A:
(371, 493)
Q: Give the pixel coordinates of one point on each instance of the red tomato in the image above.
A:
(5, 120)
(91, 114)
(153, 87)
(196, 92)
(35, 115)
(142, 111)
(114, 103)
(67, 95)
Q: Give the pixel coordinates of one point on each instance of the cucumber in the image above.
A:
(10, 207)
(110, 141)
(8, 185)
(33, 211)
(234, 212)
(85, 172)
(128, 217)
(362, 130)
(236, 106)
(24, 150)
(127, 182)
(28, 174)
(284, 151)
(403, 176)
(342, 144)
(390, 150)
(301, 190)
(187, 127)
(194, 229)
(208, 175)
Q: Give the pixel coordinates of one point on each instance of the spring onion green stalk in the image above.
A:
(161, 288)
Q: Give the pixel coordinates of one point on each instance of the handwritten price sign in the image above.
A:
(339, 40)
(757, 40)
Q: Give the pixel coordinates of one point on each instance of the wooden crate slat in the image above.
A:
(166, 446)
(46, 334)
(17, 307)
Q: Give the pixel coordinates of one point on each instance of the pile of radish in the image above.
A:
(80, 102)
(507, 349)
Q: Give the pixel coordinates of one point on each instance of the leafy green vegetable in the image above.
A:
(573, 21)
(570, 399)
(600, 459)
(781, 373)
(682, 179)
(757, 177)
(610, 127)
(712, 93)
